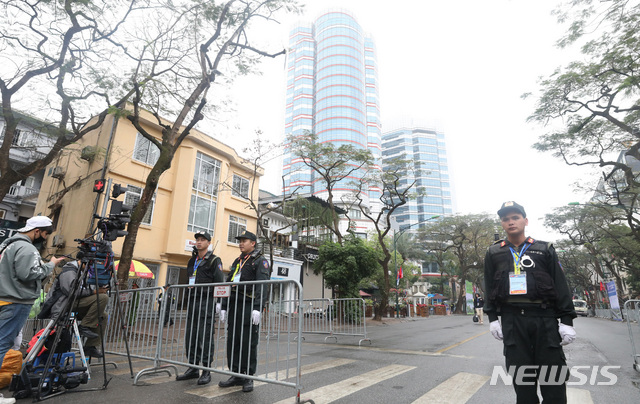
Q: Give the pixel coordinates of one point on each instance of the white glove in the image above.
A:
(218, 307)
(567, 332)
(255, 317)
(223, 315)
(496, 329)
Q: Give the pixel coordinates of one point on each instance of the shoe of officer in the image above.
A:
(93, 352)
(233, 381)
(247, 386)
(86, 332)
(191, 373)
(205, 378)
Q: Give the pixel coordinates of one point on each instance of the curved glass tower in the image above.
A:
(332, 91)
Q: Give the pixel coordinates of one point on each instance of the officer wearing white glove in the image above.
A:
(528, 298)
(496, 329)
(255, 317)
(223, 316)
(567, 332)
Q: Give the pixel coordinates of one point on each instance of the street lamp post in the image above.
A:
(395, 255)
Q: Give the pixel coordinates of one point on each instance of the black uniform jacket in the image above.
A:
(255, 268)
(209, 270)
(546, 283)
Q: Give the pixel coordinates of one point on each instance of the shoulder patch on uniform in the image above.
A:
(530, 240)
(504, 243)
(265, 263)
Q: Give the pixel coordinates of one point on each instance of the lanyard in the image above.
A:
(195, 266)
(517, 257)
(239, 267)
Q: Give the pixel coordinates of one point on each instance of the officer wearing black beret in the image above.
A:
(527, 289)
(244, 306)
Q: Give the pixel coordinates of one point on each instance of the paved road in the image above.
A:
(435, 360)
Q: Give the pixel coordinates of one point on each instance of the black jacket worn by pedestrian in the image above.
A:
(478, 303)
(255, 268)
(546, 283)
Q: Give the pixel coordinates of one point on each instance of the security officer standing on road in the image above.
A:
(244, 306)
(203, 267)
(527, 288)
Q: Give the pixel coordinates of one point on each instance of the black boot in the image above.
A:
(191, 373)
(233, 381)
(247, 386)
(205, 377)
(93, 352)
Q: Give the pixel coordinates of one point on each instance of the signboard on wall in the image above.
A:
(283, 271)
(8, 229)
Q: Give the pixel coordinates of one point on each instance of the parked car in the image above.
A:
(581, 307)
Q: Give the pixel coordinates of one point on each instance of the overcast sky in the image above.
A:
(459, 67)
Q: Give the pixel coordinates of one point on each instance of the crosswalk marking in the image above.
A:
(458, 389)
(342, 389)
(216, 391)
(578, 396)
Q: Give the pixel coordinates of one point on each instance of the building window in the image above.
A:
(2, 213)
(206, 175)
(202, 214)
(240, 187)
(145, 151)
(237, 226)
(132, 197)
(202, 210)
(17, 138)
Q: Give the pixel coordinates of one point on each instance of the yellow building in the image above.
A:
(206, 189)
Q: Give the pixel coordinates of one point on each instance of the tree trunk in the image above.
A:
(162, 165)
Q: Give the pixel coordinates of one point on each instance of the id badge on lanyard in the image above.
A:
(518, 278)
(192, 278)
(518, 283)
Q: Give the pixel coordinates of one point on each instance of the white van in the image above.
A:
(581, 307)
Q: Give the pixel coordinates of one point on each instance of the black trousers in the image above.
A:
(242, 337)
(199, 336)
(534, 342)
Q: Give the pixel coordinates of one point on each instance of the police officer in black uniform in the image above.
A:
(203, 267)
(527, 288)
(244, 307)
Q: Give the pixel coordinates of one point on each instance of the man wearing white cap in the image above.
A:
(21, 273)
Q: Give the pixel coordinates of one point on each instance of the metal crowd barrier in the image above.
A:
(161, 327)
(349, 318)
(330, 317)
(632, 308)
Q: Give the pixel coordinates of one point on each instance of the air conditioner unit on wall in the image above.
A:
(58, 241)
(58, 172)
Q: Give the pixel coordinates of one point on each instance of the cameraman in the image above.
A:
(21, 273)
(91, 310)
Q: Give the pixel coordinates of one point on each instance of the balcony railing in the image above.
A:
(20, 191)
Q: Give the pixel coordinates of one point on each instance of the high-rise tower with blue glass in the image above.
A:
(332, 91)
(427, 150)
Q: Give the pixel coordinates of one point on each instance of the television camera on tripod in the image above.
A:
(50, 368)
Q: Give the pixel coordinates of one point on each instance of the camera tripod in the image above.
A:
(59, 373)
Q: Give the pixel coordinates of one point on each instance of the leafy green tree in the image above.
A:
(592, 105)
(607, 242)
(394, 195)
(345, 265)
(467, 238)
(333, 165)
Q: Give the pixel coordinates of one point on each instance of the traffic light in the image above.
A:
(118, 190)
(98, 185)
